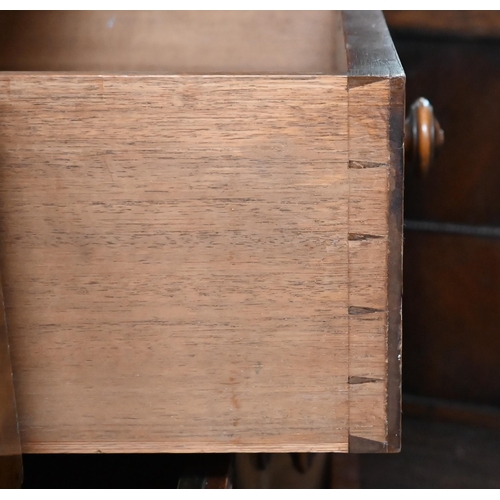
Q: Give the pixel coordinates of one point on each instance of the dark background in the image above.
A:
(451, 304)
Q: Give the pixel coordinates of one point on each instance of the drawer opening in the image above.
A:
(173, 42)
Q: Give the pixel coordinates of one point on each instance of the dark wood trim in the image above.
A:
(395, 262)
(369, 47)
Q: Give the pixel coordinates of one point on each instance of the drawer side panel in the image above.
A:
(174, 252)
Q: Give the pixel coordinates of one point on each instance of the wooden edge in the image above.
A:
(369, 48)
(11, 472)
(85, 447)
(371, 56)
(395, 262)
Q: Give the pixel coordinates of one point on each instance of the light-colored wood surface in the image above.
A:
(197, 263)
(368, 253)
(175, 258)
(194, 42)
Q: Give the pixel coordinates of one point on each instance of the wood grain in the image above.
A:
(175, 256)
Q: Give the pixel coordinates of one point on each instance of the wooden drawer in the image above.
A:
(200, 218)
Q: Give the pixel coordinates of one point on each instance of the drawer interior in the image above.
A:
(194, 263)
(171, 42)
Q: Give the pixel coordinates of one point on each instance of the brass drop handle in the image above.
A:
(423, 136)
